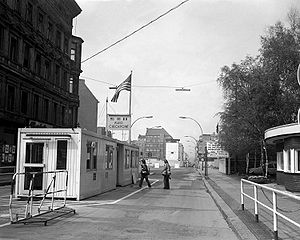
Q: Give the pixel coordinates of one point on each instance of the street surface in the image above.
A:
(186, 211)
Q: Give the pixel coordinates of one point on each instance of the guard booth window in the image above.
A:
(34, 152)
(34, 155)
(127, 158)
(109, 157)
(61, 158)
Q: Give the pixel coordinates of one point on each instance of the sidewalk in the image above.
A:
(225, 189)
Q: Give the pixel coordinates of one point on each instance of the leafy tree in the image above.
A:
(261, 92)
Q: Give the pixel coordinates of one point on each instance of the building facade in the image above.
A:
(174, 153)
(39, 68)
(155, 147)
(88, 108)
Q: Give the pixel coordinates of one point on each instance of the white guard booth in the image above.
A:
(90, 160)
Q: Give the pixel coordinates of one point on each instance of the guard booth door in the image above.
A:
(33, 160)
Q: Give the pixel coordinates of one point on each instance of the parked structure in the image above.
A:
(39, 69)
(95, 163)
(287, 141)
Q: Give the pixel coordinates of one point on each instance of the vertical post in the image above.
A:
(275, 216)
(242, 195)
(53, 190)
(106, 117)
(31, 195)
(255, 203)
(65, 199)
(130, 93)
(205, 159)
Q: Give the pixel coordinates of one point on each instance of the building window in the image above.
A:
(58, 39)
(61, 155)
(29, 11)
(280, 165)
(91, 162)
(26, 59)
(46, 109)
(66, 45)
(70, 116)
(65, 81)
(24, 102)
(47, 70)
(50, 30)
(55, 113)
(35, 106)
(18, 6)
(57, 75)
(38, 64)
(34, 152)
(13, 49)
(109, 157)
(297, 160)
(73, 54)
(127, 158)
(40, 22)
(71, 82)
(1, 37)
(10, 98)
(63, 115)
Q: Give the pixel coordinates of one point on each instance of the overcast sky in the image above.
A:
(187, 47)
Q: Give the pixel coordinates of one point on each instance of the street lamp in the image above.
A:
(195, 122)
(205, 149)
(129, 139)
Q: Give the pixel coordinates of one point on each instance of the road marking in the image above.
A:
(100, 204)
(116, 201)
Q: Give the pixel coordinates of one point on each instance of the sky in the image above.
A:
(185, 48)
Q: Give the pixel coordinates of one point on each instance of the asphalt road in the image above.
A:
(186, 211)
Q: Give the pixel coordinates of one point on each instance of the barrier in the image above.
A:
(44, 205)
(274, 209)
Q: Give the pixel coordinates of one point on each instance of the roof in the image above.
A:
(157, 132)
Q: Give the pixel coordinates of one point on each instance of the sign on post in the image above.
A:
(118, 122)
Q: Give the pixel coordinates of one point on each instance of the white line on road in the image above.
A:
(99, 204)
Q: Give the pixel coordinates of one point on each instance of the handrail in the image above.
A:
(274, 207)
(29, 203)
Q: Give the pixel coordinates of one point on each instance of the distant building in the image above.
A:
(88, 108)
(141, 143)
(155, 147)
(174, 152)
(40, 64)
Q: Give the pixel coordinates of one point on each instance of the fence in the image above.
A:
(273, 208)
(41, 204)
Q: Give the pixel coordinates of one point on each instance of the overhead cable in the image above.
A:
(127, 36)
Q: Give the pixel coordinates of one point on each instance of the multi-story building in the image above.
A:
(39, 68)
(155, 147)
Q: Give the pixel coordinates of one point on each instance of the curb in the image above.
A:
(233, 221)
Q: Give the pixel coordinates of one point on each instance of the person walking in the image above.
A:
(144, 173)
(166, 172)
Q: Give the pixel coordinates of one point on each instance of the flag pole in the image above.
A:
(129, 135)
(106, 117)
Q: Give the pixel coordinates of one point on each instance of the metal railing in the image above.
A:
(274, 209)
(51, 192)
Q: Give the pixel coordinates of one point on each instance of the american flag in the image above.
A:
(126, 85)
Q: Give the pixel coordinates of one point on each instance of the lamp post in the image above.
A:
(201, 134)
(129, 139)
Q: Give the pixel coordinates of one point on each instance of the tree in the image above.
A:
(261, 92)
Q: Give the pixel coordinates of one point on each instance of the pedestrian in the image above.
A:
(166, 172)
(144, 173)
